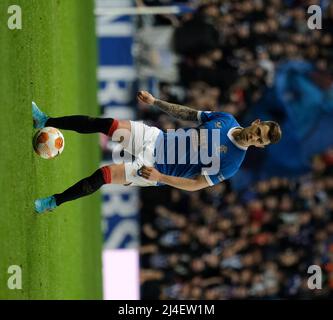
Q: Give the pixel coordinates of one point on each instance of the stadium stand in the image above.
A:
(254, 236)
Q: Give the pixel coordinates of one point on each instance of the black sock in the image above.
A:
(81, 124)
(82, 188)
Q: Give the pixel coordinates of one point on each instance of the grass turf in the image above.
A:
(52, 61)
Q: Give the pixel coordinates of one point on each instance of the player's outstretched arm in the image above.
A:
(178, 182)
(175, 110)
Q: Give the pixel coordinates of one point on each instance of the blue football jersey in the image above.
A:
(208, 149)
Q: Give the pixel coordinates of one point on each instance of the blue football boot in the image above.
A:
(45, 204)
(39, 117)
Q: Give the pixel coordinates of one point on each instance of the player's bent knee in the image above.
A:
(115, 173)
(124, 124)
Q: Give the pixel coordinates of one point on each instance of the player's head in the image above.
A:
(261, 133)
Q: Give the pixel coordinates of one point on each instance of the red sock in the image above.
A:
(113, 127)
(106, 171)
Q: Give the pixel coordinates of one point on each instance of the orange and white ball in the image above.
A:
(48, 142)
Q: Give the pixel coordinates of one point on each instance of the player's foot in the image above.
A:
(39, 117)
(45, 204)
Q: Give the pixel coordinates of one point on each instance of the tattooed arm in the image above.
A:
(175, 110)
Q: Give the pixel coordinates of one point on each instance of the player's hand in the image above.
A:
(150, 173)
(146, 97)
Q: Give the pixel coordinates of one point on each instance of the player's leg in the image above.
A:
(109, 174)
(86, 124)
(79, 123)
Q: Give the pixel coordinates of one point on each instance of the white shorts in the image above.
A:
(141, 145)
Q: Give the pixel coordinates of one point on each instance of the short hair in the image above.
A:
(274, 133)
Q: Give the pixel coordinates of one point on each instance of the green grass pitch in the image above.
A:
(52, 61)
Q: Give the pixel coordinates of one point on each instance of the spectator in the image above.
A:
(220, 243)
(240, 249)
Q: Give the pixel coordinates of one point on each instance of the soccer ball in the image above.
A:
(48, 142)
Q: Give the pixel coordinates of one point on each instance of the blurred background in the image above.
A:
(254, 236)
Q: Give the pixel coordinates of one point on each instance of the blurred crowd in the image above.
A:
(229, 50)
(218, 243)
(257, 244)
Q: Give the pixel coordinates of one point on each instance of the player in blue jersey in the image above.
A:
(189, 159)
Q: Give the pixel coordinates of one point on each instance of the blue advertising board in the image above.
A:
(117, 77)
